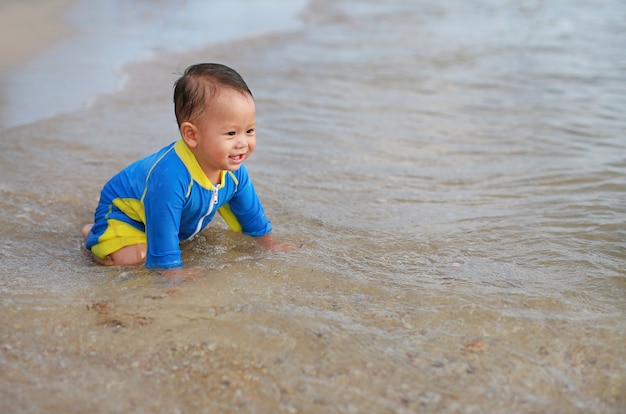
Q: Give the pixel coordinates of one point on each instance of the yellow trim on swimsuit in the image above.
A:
(230, 218)
(117, 235)
(190, 161)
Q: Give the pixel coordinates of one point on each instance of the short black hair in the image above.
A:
(190, 90)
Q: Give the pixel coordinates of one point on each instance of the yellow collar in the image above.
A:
(190, 161)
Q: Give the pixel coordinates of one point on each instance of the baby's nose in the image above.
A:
(241, 142)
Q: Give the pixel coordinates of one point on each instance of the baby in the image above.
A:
(147, 209)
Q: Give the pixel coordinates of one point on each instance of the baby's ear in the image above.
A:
(189, 133)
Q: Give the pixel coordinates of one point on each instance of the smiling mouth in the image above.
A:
(237, 158)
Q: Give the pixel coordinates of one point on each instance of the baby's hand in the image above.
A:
(283, 248)
(272, 245)
(181, 274)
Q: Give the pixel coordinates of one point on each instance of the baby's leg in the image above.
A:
(86, 229)
(126, 256)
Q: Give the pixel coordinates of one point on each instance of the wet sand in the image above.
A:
(349, 323)
(289, 340)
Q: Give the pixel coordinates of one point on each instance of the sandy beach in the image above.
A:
(28, 27)
(68, 53)
(455, 188)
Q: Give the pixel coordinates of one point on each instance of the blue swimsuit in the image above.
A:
(166, 198)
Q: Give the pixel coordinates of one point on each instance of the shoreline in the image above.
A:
(110, 36)
(422, 280)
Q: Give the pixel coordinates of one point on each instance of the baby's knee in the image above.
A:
(128, 256)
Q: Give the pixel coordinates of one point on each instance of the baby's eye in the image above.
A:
(250, 131)
(231, 133)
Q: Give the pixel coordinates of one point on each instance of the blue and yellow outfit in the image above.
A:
(166, 198)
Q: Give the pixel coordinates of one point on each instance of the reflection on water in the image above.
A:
(454, 175)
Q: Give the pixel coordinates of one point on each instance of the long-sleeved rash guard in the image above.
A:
(168, 196)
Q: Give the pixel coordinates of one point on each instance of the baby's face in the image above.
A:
(226, 132)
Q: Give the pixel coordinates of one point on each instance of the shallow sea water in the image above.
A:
(453, 174)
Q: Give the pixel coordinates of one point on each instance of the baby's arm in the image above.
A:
(163, 205)
(244, 213)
